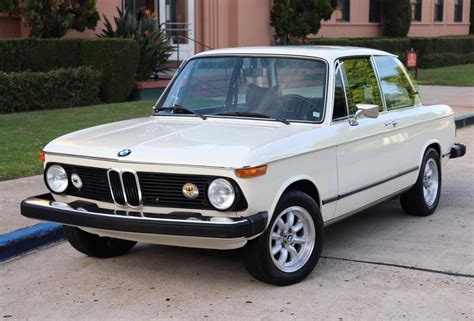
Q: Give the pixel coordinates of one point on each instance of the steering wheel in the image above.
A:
(294, 104)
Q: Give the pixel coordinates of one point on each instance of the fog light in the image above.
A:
(76, 181)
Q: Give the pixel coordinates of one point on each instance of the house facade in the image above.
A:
(197, 25)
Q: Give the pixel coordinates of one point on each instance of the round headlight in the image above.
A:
(221, 194)
(56, 178)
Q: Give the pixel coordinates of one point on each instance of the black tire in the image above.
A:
(257, 257)
(96, 246)
(413, 201)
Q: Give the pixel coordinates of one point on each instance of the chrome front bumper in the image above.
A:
(89, 215)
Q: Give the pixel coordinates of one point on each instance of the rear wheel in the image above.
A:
(423, 198)
(96, 246)
(291, 246)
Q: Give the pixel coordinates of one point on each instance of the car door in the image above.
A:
(366, 153)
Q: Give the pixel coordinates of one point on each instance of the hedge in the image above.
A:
(26, 91)
(116, 59)
(446, 59)
(433, 52)
(393, 45)
(464, 44)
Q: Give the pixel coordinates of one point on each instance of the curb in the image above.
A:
(464, 120)
(25, 240)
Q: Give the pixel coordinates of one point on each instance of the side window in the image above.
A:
(340, 109)
(396, 86)
(361, 83)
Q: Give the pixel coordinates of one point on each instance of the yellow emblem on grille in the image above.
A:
(190, 191)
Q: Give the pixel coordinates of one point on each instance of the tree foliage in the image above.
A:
(397, 18)
(293, 20)
(10, 6)
(154, 46)
(54, 18)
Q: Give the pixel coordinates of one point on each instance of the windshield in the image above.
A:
(257, 87)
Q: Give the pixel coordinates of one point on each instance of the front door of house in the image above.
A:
(177, 17)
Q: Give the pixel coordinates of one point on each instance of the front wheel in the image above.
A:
(290, 248)
(423, 198)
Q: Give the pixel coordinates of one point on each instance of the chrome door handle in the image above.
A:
(392, 123)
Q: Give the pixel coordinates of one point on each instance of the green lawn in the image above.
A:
(462, 75)
(22, 135)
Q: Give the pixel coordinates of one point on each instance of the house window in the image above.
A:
(438, 10)
(416, 10)
(375, 11)
(343, 10)
(458, 10)
(142, 7)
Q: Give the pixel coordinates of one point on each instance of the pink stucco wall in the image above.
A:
(10, 27)
(231, 23)
(359, 25)
(429, 28)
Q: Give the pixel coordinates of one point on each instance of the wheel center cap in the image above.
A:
(289, 239)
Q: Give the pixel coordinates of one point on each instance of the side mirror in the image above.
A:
(368, 110)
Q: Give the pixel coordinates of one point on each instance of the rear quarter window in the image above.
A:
(397, 88)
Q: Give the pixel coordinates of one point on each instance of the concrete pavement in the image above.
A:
(12, 192)
(154, 282)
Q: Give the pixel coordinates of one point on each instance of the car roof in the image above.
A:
(326, 52)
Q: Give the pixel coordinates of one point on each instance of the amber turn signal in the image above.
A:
(41, 156)
(251, 171)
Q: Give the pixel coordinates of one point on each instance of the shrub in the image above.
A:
(10, 6)
(38, 54)
(460, 44)
(116, 59)
(294, 20)
(54, 18)
(25, 91)
(392, 45)
(154, 47)
(446, 59)
(397, 18)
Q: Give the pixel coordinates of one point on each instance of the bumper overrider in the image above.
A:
(89, 215)
(457, 150)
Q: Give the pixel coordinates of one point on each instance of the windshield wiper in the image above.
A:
(179, 108)
(250, 114)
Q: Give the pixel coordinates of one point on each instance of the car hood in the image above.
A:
(181, 141)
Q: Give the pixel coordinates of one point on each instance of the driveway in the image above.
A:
(379, 264)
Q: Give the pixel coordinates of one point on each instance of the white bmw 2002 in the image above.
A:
(252, 147)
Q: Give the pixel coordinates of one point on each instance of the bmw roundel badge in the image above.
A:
(124, 152)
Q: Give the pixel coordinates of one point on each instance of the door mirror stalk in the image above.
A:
(368, 110)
